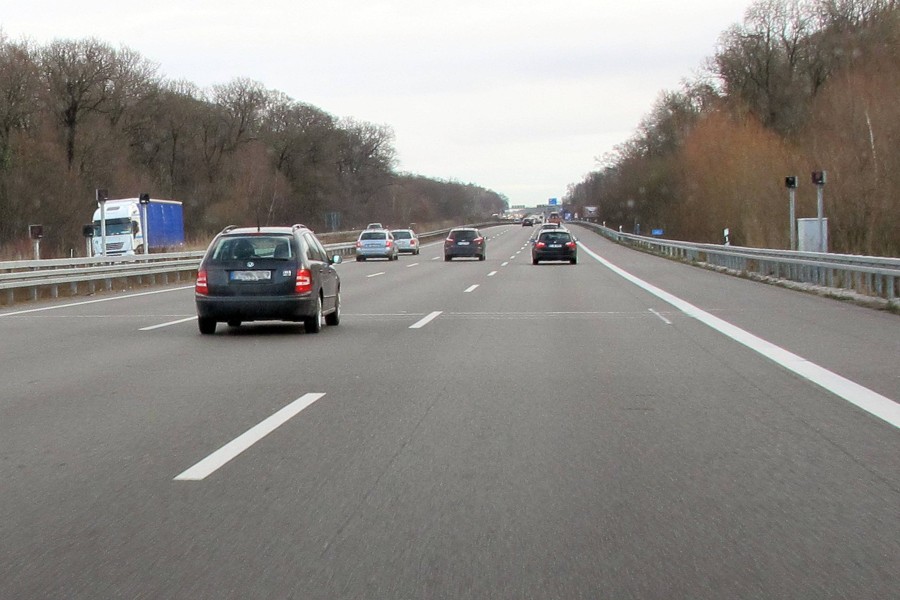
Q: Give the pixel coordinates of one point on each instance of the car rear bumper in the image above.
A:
(255, 308)
(554, 254)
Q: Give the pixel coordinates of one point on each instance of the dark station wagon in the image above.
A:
(267, 273)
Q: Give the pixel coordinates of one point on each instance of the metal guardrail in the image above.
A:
(870, 276)
(30, 279)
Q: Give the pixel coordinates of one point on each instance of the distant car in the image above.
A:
(554, 218)
(527, 222)
(554, 244)
(267, 273)
(376, 243)
(406, 240)
(374, 226)
(464, 241)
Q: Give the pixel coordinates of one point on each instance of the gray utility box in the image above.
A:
(808, 235)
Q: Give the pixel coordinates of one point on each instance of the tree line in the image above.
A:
(81, 115)
(798, 86)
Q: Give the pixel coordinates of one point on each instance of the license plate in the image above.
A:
(555, 246)
(251, 275)
(462, 243)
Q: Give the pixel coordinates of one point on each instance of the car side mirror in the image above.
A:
(336, 259)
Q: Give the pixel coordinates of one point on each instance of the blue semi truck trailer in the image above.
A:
(125, 230)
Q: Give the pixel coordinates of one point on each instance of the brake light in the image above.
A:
(359, 244)
(303, 284)
(541, 245)
(202, 286)
(388, 243)
(412, 242)
(479, 240)
(570, 244)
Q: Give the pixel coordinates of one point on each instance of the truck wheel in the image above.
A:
(207, 326)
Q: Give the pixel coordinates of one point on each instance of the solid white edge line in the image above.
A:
(870, 401)
(223, 455)
(109, 299)
(470, 289)
(426, 320)
(152, 327)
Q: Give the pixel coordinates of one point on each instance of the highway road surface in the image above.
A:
(627, 427)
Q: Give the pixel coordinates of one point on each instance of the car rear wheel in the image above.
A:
(573, 261)
(481, 257)
(447, 257)
(207, 326)
(534, 261)
(334, 318)
(313, 324)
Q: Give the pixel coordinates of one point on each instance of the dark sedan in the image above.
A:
(464, 242)
(554, 244)
(267, 273)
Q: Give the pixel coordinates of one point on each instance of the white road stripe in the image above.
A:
(217, 459)
(664, 320)
(152, 327)
(109, 299)
(375, 274)
(504, 264)
(470, 289)
(425, 320)
(492, 273)
(412, 265)
(866, 399)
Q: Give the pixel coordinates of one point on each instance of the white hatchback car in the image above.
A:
(376, 243)
(406, 240)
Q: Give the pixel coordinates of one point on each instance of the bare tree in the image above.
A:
(78, 77)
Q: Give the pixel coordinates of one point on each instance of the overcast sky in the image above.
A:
(518, 97)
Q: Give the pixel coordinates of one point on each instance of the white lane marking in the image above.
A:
(375, 274)
(426, 320)
(217, 459)
(664, 320)
(870, 401)
(470, 289)
(435, 258)
(58, 306)
(492, 273)
(504, 264)
(152, 327)
(412, 265)
(512, 257)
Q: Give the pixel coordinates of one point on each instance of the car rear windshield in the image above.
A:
(402, 235)
(373, 235)
(252, 247)
(464, 234)
(555, 237)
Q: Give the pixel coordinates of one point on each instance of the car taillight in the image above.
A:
(412, 242)
(359, 244)
(202, 286)
(448, 241)
(388, 243)
(570, 244)
(479, 240)
(304, 281)
(541, 245)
